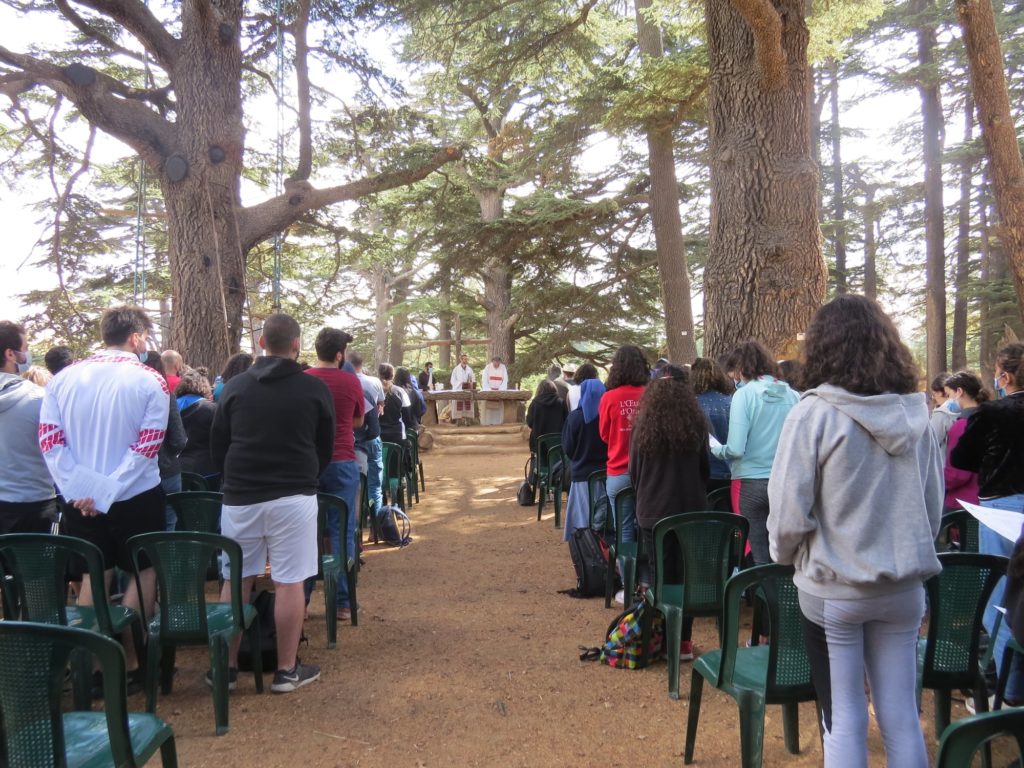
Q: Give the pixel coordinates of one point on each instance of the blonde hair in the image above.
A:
(37, 374)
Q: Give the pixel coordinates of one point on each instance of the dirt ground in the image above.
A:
(466, 655)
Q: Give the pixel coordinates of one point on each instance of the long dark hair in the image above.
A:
(1009, 360)
(668, 419)
(240, 362)
(629, 368)
(851, 343)
(751, 360)
(705, 374)
(969, 383)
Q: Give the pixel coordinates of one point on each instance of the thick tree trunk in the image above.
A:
(935, 246)
(399, 324)
(497, 279)
(765, 277)
(664, 208)
(205, 256)
(963, 246)
(444, 322)
(838, 200)
(382, 303)
(988, 83)
(870, 245)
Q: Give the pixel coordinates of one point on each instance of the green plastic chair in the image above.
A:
(392, 455)
(37, 591)
(186, 618)
(191, 481)
(594, 482)
(962, 740)
(556, 455)
(417, 463)
(366, 519)
(966, 526)
(948, 658)
(720, 500)
(624, 552)
(197, 510)
(331, 565)
(711, 545)
(776, 673)
(542, 469)
(1012, 648)
(35, 732)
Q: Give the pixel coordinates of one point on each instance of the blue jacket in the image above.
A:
(715, 405)
(758, 411)
(583, 445)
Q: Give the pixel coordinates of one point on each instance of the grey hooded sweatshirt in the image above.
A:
(856, 494)
(23, 473)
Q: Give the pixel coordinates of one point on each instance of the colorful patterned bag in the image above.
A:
(623, 647)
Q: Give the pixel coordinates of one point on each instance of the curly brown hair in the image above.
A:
(751, 359)
(668, 419)
(629, 368)
(969, 383)
(851, 343)
(705, 374)
(193, 383)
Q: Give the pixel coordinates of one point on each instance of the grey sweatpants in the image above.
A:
(877, 634)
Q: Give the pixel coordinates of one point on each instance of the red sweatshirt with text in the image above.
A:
(615, 421)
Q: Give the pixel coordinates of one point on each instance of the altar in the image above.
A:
(509, 398)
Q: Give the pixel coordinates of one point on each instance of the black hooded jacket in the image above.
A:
(545, 416)
(273, 432)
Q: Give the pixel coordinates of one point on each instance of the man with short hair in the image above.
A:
(101, 426)
(173, 367)
(555, 375)
(426, 378)
(341, 477)
(57, 359)
(27, 500)
(368, 442)
(272, 437)
(463, 378)
(495, 378)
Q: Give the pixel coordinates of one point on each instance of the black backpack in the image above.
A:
(526, 496)
(590, 559)
(264, 604)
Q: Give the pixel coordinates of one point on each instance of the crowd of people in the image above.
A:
(839, 468)
(113, 433)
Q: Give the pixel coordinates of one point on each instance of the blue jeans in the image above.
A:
(991, 543)
(171, 484)
(374, 470)
(341, 478)
(614, 485)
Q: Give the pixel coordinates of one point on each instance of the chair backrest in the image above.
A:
(197, 510)
(956, 603)
(192, 481)
(618, 510)
(33, 660)
(544, 445)
(180, 559)
(965, 524)
(325, 501)
(789, 669)
(38, 564)
(594, 482)
(962, 739)
(720, 499)
(711, 544)
(391, 457)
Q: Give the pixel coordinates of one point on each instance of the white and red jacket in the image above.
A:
(108, 413)
(495, 378)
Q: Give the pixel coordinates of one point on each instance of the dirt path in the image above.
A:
(466, 655)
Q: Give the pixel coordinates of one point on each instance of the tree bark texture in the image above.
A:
(399, 324)
(935, 246)
(870, 243)
(838, 199)
(988, 84)
(765, 276)
(381, 305)
(497, 279)
(963, 246)
(664, 208)
(444, 322)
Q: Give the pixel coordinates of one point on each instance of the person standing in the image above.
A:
(856, 499)
(944, 412)
(583, 446)
(27, 500)
(273, 436)
(367, 437)
(426, 378)
(174, 442)
(714, 395)
(105, 418)
(463, 378)
(341, 477)
(173, 367)
(57, 359)
(992, 445)
(756, 415)
(194, 400)
(965, 392)
(494, 379)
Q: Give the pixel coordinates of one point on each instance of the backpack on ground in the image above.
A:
(589, 556)
(264, 604)
(623, 646)
(527, 493)
(393, 526)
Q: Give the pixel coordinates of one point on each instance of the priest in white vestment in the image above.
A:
(495, 378)
(462, 378)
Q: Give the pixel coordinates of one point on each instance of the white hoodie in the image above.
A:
(24, 476)
(856, 493)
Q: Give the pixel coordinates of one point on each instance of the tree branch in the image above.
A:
(137, 19)
(259, 222)
(766, 25)
(91, 32)
(305, 167)
(96, 97)
(481, 107)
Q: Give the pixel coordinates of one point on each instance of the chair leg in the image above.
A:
(1004, 678)
(169, 753)
(558, 506)
(751, 730)
(628, 579)
(153, 654)
(331, 606)
(673, 634)
(139, 641)
(696, 689)
(943, 707)
(256, 645)
(542, 491)
(81, 680)
(167, 670)
(219, 668)
(791, 726)
(609, 581)
(353, 605)
(423, 480)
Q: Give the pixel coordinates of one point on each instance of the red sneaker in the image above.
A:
(686, 650)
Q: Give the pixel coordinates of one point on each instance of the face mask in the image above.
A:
(1000, 392)
(953, 406)
(23, 367)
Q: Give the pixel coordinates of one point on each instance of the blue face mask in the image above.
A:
(1000, 392)
(23, 367)
(953, 407)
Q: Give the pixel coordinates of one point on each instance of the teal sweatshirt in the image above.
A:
(758, 410)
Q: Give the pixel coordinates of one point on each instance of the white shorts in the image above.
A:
(284, 529)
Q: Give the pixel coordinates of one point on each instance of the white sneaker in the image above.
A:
(620, 597)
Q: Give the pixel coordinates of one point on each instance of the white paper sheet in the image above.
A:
(713, 442)
(84, 483)
(1006, 524)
